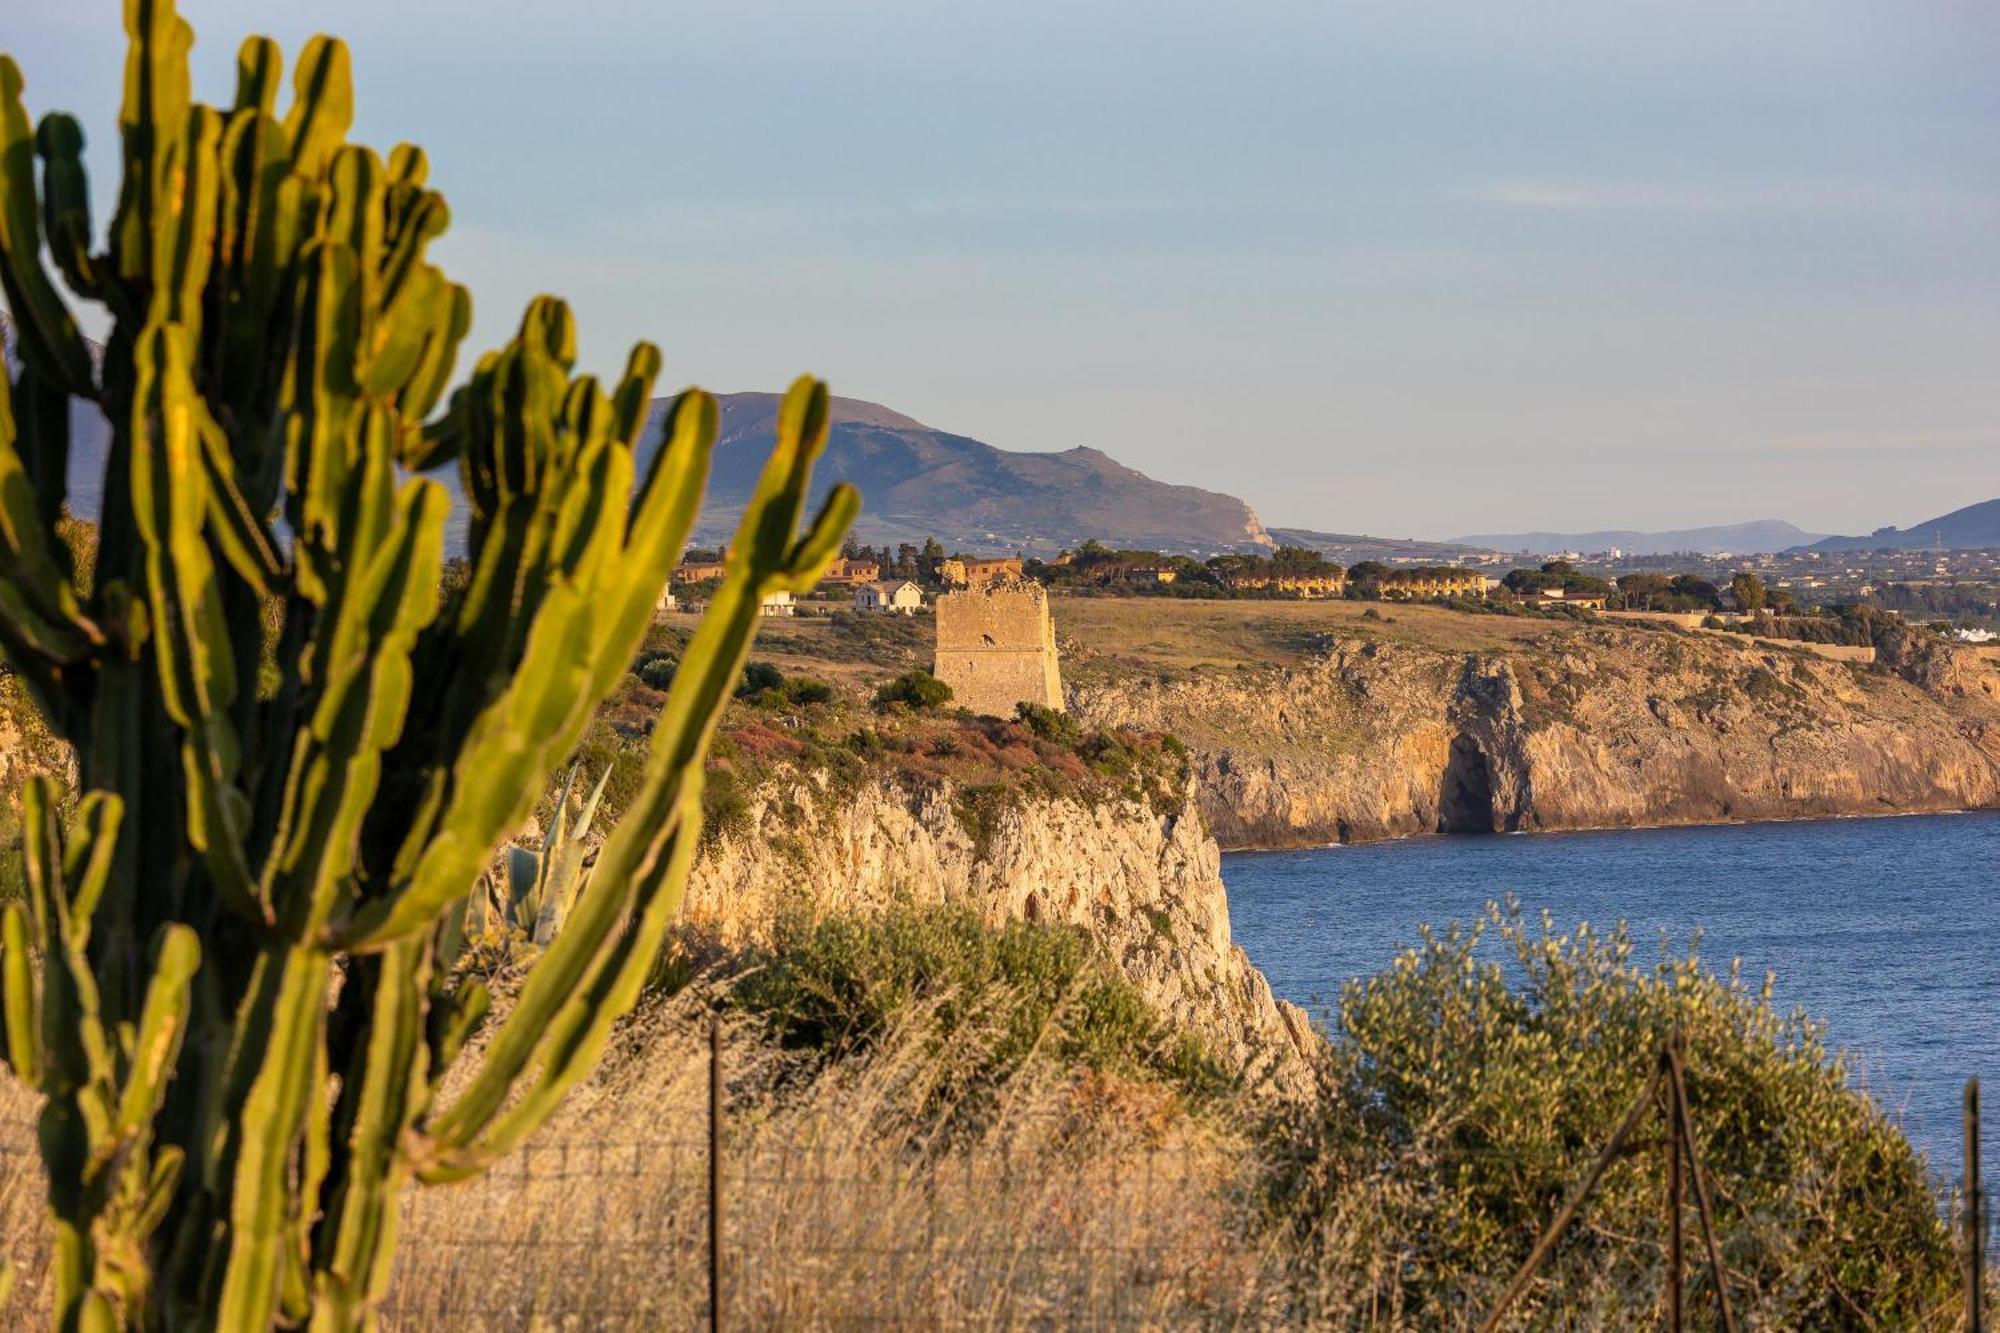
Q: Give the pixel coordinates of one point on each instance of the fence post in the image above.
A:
(1975, 1217)
(1684, 1126)
(715, 1174)
(1675, 1204)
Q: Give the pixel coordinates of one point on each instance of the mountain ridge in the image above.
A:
(1973, 527)
(1750, 538)
(917, 481)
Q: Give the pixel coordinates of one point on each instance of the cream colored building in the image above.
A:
(1299, 585)
(1427, 585)
(895, 596)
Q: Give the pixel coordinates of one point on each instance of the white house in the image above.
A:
(899, 596)
(777, 603)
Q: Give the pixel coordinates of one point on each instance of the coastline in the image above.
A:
(1654, 826)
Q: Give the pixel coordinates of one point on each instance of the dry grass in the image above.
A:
(1108, 636)
(859, 1193)
(851, 1199)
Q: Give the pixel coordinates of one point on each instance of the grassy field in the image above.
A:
(1103, 637)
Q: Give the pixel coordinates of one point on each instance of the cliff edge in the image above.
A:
(1590, 727)
(1147, 885)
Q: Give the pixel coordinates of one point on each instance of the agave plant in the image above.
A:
(225, 983)
(532, 891)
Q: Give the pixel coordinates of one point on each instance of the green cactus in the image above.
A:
(226, 981)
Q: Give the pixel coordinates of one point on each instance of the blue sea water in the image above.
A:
(1886, 929)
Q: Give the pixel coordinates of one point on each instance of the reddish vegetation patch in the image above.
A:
(755, 741)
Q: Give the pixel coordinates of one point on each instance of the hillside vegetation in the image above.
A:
(999, 1115)
(923, 1115)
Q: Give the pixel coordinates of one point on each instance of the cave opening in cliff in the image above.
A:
(1465, 796)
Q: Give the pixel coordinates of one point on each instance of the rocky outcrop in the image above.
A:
(1589, 728)
(1148, 886)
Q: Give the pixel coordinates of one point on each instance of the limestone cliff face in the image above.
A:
(1591, 728)
(1148, 886)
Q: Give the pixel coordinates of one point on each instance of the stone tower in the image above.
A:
(996, 647)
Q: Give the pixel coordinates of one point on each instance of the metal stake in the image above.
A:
(1675, 1205)
(715, 1174)
(1975, 1217)
(1561, 1222)
(1686, 1120)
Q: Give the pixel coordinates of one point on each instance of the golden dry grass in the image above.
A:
(851, 1200)
(1106, 636)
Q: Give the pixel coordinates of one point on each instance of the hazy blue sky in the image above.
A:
(1397, 267)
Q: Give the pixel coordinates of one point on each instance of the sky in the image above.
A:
(1409, 269)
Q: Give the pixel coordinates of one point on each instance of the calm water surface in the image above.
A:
(1884, 928)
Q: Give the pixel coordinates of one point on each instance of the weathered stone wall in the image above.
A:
(996, 647)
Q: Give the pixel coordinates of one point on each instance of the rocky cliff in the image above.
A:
(1149, 886)
(1588, 728)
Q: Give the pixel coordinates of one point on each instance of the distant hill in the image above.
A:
(1974, 527)
(1351, 548)
(918, 482)
(1767, 534)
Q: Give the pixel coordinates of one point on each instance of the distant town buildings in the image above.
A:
(1589, 601)
(959, 573)
(1424, 585)
(1329, 584)
(777, 603)
(851, 572)
(700, 571)
(1954, 590)
(894, 596)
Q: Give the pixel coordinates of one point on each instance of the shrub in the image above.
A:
(1051, 724)
(1462, 1111)
(657, 673)
(838, 986)
(916, 689)
(725, 811)
(807, 690)
(758, 677)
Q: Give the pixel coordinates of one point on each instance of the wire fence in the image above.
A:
(812, 1237)
(766, 1224)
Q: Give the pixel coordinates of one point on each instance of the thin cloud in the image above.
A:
(1728, 198)
(1929, 442)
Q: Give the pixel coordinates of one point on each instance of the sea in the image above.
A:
(1886, 929)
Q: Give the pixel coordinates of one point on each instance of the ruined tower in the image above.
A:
(996, 647)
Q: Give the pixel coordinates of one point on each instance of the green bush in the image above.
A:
(658, 673)
(1462, 1110)
(758, 677)
(838, 986)
(1051, 724)
(807, 690)
(917, 689)
(725, 811)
